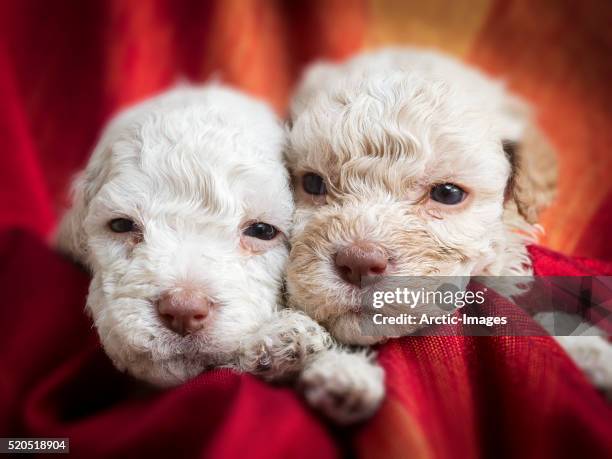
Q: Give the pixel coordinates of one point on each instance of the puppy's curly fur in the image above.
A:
(192, 168)
(381, 130)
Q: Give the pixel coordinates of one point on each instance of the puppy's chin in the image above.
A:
(140, 345)
(163, 373)
(336, 306)
(165, 361)
(347, 330)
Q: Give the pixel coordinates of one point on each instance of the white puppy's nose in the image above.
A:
(184, 311)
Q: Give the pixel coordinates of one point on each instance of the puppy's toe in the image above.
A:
(255, 358)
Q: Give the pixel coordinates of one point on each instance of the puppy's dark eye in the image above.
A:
(261, 231)
(313, 184)
(121, 225)
(447, 193)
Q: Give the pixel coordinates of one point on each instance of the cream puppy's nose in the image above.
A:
(360, 259)
(184, 311)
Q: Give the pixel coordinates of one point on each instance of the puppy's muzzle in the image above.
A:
(360, 259)
(185, 311)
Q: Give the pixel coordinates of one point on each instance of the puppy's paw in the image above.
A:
(593, 355)
(345, 387)
(284, 346)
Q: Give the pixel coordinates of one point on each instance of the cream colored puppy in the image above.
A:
(409, 163)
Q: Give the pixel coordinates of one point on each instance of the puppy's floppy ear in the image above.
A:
(70, 236)
(533, 178)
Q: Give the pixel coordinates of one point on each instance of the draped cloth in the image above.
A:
(66, 67)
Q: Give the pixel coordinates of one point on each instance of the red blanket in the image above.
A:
(447, 396)
(65, 67)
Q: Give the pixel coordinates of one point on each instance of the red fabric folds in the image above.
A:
(447, 396)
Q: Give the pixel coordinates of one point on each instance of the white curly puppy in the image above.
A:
(181, 215)
(409, 163)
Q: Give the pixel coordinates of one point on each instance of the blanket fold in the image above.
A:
(480, 396)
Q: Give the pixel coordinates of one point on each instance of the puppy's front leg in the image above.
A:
(346, 386)
(283, 346)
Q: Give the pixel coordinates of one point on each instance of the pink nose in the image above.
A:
(360, 259)
(184, 312)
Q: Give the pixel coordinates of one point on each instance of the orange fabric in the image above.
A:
(555, 54)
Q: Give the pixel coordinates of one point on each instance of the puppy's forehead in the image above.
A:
(207, 158)
(397, 121)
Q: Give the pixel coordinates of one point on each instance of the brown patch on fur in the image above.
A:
(533, 180)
